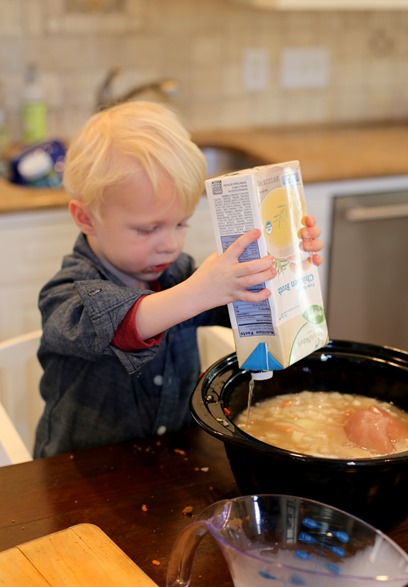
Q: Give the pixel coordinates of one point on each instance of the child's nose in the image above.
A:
(170, 241)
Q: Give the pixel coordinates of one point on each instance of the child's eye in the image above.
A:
(146, 230)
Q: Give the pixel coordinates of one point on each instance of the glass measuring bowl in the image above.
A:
(282, 541)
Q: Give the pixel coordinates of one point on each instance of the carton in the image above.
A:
(291, 324)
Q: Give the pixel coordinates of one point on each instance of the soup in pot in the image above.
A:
(328, 424)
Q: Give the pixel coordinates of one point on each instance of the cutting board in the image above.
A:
(80, 556)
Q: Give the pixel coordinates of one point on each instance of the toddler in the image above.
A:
(119, 319)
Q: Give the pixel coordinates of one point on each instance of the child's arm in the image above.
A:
(219, 280)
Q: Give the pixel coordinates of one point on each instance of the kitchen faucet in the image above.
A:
(104, 98)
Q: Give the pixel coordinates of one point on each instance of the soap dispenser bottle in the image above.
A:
(34, 110)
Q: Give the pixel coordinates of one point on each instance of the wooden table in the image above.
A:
(135, 492)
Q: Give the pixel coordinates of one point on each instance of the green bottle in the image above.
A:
(34, 110)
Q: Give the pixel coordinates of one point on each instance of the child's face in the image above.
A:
(140, 233)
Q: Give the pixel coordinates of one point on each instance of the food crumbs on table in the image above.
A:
(179, 451)
(144, 508)
(188, 510)
(156, 562)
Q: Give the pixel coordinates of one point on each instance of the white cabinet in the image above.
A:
(32, 245)
(326, 4)
(200, 241)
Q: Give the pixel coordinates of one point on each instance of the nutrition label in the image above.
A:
(253, 318)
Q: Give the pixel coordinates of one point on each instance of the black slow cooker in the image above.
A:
(374, 489)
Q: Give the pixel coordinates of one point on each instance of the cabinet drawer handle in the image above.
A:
(376, 212)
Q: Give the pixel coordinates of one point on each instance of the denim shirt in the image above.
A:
(95, 393)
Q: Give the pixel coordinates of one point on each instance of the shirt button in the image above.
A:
(161, 430)
(158, 380)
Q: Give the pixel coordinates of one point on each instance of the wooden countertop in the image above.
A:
(325, 154)
(16, 198)
(140, 494)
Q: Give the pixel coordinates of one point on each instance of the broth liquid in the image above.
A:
(250, 395)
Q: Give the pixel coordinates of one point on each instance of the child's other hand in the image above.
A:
(223, 279)
(311, 242)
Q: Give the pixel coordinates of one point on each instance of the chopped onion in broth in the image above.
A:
(328, 424)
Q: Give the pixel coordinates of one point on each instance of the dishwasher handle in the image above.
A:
(364, 213)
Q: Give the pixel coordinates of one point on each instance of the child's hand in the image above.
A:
(223, 279)
(219, 280)
(310, 241)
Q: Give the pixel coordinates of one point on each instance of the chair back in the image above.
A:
(20, 374)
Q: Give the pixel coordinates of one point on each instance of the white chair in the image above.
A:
(214, 342)
(20, 373)
(12, 448)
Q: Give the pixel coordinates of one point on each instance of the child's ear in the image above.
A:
(82, 218)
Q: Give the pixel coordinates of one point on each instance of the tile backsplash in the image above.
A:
(203, 45)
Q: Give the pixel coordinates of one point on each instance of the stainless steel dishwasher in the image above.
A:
(368, 275)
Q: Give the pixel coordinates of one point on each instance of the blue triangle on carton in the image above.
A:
(261, 360)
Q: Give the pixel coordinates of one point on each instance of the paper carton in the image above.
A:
(291, 324)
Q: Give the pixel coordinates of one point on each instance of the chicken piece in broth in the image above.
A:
(374, 429)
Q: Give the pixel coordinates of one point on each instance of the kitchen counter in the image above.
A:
(140, 494)
(325, 154)
(16, 198)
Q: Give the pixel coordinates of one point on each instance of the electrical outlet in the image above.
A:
(304, 67)
(255, 70)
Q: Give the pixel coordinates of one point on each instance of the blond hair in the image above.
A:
(118, 141)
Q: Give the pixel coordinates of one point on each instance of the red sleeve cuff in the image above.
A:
(126, 337)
